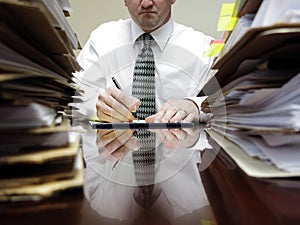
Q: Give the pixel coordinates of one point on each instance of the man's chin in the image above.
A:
(149, 26)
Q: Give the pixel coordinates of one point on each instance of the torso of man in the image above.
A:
(181, 70)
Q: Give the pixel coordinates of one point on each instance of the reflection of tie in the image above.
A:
(144, 168)
(143, 87)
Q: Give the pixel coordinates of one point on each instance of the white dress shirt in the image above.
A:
(181, 70)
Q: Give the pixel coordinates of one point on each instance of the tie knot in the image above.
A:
(147, 38)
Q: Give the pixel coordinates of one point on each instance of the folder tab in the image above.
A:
(215, 48)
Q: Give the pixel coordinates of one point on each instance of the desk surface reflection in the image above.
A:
(114, 195)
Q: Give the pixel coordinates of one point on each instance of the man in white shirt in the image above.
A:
(181, 70)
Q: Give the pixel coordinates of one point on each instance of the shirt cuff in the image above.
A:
(204, 117)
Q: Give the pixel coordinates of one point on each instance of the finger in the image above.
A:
(175, 135)
(112, 147)
(179, 134)
(130, 102)
(160, 114)
(121, 137)
(169, 114)
(111, 109)
(150, 119)
(107, 113)
(191, 117)
(110, 134)
(168, 135)
(190, 131)
(119, 153)
(112, 106)
(131, 145)
(101, 133)
(178, 116)
(170, 140)
(113, 140)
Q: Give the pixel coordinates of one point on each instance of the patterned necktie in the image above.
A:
(144, 89)
(143, 86)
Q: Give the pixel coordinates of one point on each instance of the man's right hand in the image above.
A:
(113, 105)
(116, 144)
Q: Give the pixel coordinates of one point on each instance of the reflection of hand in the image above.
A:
(178, 138)
(176, 111)
(113, 105)
(115, 144)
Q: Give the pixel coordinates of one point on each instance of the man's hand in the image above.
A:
(176, 111)
(115, 144)
(113, 106)
(178, 138)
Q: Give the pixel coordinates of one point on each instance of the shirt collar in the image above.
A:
(161, 35)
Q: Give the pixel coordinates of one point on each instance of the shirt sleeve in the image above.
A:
(91, 81)
(204, 117)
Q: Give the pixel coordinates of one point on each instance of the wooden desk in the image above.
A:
(238, 199)
(63, 210)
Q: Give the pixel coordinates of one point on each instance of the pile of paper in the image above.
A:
(255, 123)
(260, 112)
(39, 156)
(257, 106)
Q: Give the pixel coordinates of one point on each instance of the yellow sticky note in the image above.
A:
(227, 20)
(227, 23)
(214, 49)
(227, 9)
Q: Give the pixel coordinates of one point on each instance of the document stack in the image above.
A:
(256, 114)
(38, 154)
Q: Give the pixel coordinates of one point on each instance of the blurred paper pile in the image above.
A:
(258, 107)
(39, 156)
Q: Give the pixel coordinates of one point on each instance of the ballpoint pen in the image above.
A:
(133, 113)
(115, 164)
(116, 83)
(120, 88)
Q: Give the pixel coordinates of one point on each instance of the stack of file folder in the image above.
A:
(39, 156)
(258, 104)
(256, 119)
